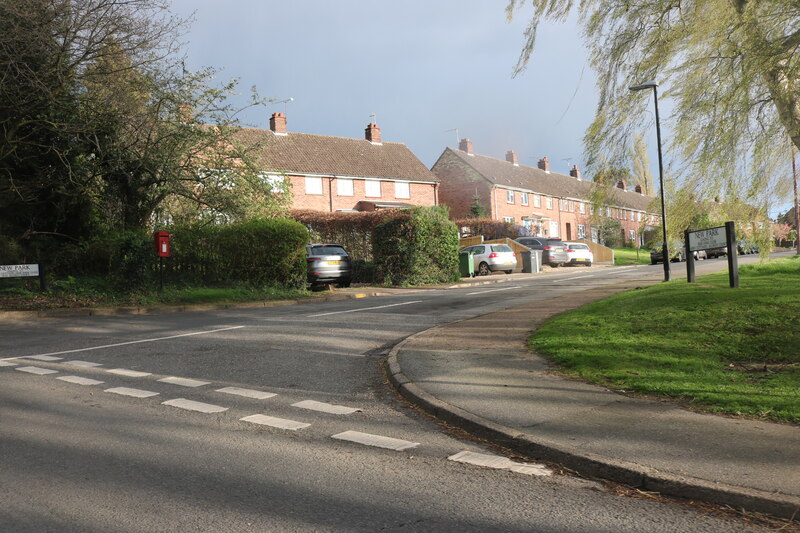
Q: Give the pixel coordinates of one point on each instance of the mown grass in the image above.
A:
(733, 351)
(629, 256)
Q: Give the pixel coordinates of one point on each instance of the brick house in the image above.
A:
(547, 203)
(329, 173)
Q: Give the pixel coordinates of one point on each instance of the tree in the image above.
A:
(641, 166)
(477, 210)
(731, 68)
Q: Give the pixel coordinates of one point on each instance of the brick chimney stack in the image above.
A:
(622, 185)
(465, 146)
(544, 164)
(277, 123)
(575, 172)
(373, 133)
(512, 157)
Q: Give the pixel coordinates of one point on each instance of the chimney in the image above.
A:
(621, 185)
(544, 164)
(373, 133)
(638, 189)
(465, 146)
(511, 157)
(575, 172)
(277, 123)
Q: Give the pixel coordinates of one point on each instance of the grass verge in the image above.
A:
(732, 351)
(628, 256)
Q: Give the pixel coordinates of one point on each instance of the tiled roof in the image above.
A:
(504, 174)
(306, 153)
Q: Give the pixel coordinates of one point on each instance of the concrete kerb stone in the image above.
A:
(586, 463)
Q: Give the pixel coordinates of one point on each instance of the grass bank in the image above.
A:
(732, 351)
(628, 256)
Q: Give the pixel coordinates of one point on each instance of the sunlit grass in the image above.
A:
(726, 350)
(629, 256)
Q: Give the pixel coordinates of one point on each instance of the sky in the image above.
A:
(422, 67)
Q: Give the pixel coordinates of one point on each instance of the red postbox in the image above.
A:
(161, 239)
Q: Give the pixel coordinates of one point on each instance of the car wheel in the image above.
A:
(508, 271)
(588, 264)
(653, 262)
(344, 283)
(483, 269)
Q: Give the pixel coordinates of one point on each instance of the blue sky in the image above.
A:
(422, 66)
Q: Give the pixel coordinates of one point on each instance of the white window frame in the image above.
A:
(582, 208)
(314, 185)
(371, 187)
(509, 196)
(508, 220)
(523, 198)
(581, 231)
(537, 200)
(402, 190)
(632, 235)
(344, 187)
(549, 201)
(554, 228)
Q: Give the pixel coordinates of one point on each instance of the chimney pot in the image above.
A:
(373, 133)
(511, 157)
(544, 164)
(277, 123)
(465, 146)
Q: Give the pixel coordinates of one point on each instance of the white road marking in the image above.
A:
(191, 405)
(376, 440)
(86, 364)
(271, 421)
(136, 393)
(247, 393)
(36, 370)
(129, 373)
(363, 309)
(79, 380)
(8, 363)
(574, 277)
(185, 382)
(127, 343)
(493, 290)
(43, 357)
(325, 407)
(503, 463)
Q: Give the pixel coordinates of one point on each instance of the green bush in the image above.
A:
(364, 271)
(418, 246)
(131, 256)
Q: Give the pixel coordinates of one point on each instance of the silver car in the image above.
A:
(328, 264)
(489, 258)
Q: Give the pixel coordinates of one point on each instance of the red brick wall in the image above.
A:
(420, 194)
(459, 184)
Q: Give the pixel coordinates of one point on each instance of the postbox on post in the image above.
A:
(162, 243)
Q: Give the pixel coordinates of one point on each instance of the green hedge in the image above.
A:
(416, 247)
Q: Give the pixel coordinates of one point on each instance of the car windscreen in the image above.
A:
(501, 248)
(327, 250)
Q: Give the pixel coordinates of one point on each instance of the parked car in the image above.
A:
(492, 258)
(747, 247)
(327, 264)
(717, 252)
(677, 252)
(579, 253)
(554, 251)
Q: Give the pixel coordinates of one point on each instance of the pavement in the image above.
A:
(478, 374)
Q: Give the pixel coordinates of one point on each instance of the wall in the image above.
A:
(420, 194)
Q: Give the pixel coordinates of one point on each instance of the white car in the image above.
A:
(489, 258)
(579, 254)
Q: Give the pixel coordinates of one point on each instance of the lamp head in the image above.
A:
(643, 86)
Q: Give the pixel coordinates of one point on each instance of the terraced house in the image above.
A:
(547, 203)
(329, 173)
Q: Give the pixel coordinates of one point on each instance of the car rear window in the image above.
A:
(555, 242)
(501, 248)
(578, 246)
(327, 250)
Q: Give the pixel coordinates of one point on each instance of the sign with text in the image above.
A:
(707, 239)
(18, 271)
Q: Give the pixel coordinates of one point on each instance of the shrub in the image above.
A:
(418, 246)
(131, 256)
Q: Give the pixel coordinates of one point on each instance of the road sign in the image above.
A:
(707, 239)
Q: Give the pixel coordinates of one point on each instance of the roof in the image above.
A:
(501, 173)
(305, 153)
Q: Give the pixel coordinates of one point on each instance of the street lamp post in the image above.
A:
(665, 250)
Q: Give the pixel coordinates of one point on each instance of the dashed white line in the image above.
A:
(128, 373)
(185, 382)
(247, 393)
(574, 277)
(363, 309)
(36, 370)
(191, 405)
(8, 363)
(325, 407)
(503, 463)
(379, 441)
(127, 343)
(85, 364)
(271, 421)
(79, 380)
(43, 357)
(492, 290)
(136, 393)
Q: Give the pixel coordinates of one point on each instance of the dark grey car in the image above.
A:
(554, 251)
(328, 263)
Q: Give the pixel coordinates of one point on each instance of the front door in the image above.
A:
(569, 231)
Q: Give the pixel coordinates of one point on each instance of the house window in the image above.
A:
(582, 208)
(372, 188)
(275, 181)
(560, 204)
(570, 205)
(581, 231)
(510, 197)
(625, 214)
(537, 200)
(524, 198)
(508, 220)
(549, 202)
(554, 229)
(632, 235)
(313, 185)
(402, 189)
(344, 187)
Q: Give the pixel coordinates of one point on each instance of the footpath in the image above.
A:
(478, 374)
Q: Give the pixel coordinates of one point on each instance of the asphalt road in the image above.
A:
(78, 455)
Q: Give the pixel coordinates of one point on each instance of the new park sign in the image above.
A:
(720, 237)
